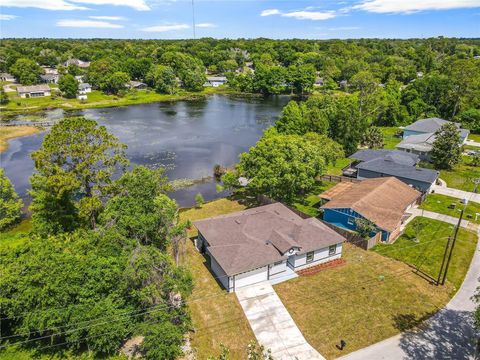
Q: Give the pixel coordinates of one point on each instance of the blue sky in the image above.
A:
(172, 19)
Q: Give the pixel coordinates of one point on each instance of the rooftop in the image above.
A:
(256, 237)
(383, 201)
(33, 88)
(431, 125)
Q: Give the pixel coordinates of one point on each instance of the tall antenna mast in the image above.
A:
(193, 18)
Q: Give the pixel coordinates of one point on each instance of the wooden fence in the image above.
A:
(336, 179)
(355, 239)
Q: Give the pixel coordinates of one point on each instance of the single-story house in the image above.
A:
(84, 88)
(215, 81)
(369, 164)
(136, 85)
(7, 77)
(50, 78)
(382, 201)
(34, 91)
(77, 62)
(418, 137)
(269, 242)
(50, 70)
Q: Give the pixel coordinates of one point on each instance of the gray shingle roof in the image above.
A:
(256, 237)
(397, 156)
(431, 125)
(33, 88)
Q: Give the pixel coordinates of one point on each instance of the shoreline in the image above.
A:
(8, 133)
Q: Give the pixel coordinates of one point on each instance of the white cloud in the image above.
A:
(301, 14)
(411, 6)
(7, 17)
(87, 24)
(166, 27)
(205, 25)
(269, 12)
(111, 18)
(64, 5)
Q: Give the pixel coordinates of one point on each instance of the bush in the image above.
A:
(199, 200)
(162, 341)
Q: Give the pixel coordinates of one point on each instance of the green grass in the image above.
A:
(336, 169)
(389, 138)
(440, 204)
(310, 203)
(428, 248)
(474, 137)
(367, 300)
(16, 236)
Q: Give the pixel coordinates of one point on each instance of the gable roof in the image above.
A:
(383, 201)
(398, 157)
(420, 142)
(431, 125)
(256, 237)
(33, 88)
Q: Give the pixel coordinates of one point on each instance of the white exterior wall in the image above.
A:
(320, 256)
(276, 269)
(218, 272)
(250, 277)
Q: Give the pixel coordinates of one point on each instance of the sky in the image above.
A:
(279, 19)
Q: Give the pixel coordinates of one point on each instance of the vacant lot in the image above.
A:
(369, 299)
(423, 244)
(11, 132)
(444, 205)
(217, 315)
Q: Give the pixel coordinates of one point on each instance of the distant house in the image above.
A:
(79, 78)
(33, 91)
(50, 78)
(382, 201)
(418, 138)
(77, 62)
(82, 97)
(215, 81)
(84, 88)
(50, 70)
(318, 82)
(136, 85)
(7, 77)
(369, 164)
(267, 243)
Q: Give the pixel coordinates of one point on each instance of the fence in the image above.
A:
(336, 179)
(265, 200)
(355, 239)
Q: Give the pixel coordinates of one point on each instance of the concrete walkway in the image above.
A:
(449, 334)
(456, 193)
(272, 325)
(441, 217)
(472, 143)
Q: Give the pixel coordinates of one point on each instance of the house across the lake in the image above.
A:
(50, 78)
(418, 137)
(267, 243)
(34, 91)
(215, 81)
(136, 85)
(369, 164)
(7, 77)
(381, 201)
(84, 88)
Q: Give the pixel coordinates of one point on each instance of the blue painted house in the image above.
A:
(382, 201)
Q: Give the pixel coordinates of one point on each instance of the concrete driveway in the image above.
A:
(272, 325)
(447, 335)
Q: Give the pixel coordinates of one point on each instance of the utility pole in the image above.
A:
(193, 19)
(443, 260)
(453, 245)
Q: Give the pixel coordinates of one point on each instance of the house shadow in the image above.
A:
(449, 334)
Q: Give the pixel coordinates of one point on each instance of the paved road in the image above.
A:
(459, 194)
(449, 334)
(272, 325)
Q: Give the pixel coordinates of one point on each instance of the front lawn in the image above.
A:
(217, 316)
(367, 300)
(423, 244)
(474, 137)
(389, 138)
(440, 204)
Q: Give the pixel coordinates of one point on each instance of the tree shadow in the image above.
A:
(449, 334)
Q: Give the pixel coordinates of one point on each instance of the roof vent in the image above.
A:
(238, 221)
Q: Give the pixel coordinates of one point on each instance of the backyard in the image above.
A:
(369, 299)
(423, 244)
(451, 206)
(389, 138)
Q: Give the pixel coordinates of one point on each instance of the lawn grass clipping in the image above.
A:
(367, 300)
(218, 318)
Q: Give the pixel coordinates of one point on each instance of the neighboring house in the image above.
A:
(384, 163)
(34, 91)
(418, 138)
(318, 82)
(77, 62)
(50, 78)
(215, 81)
(49, 70)
(79, 78)
(84, 88)
(7, 77)
(136, 85)
(265, 243)
(382, 201)
(82, 97)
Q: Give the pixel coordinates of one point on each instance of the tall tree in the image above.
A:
(10, 204)
(74, 170)
(26, 71)
(373, 138)
(162, 78)
(68, 86)
(446, 151)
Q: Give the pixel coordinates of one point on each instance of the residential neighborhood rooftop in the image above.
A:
(33, 88)
(255, 237)
(381, 200)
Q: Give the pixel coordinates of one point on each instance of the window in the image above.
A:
(332, 249)
(309, 257)
(350, 221)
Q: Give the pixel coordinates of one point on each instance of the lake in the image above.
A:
(186, 137)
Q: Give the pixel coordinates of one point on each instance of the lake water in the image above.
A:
(186, 137)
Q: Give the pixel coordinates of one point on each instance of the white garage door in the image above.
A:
(251, 277)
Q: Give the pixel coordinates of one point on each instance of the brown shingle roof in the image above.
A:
(383, 201)
(336, 190)
(256, 237)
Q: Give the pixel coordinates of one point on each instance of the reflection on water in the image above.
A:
(186, 137)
